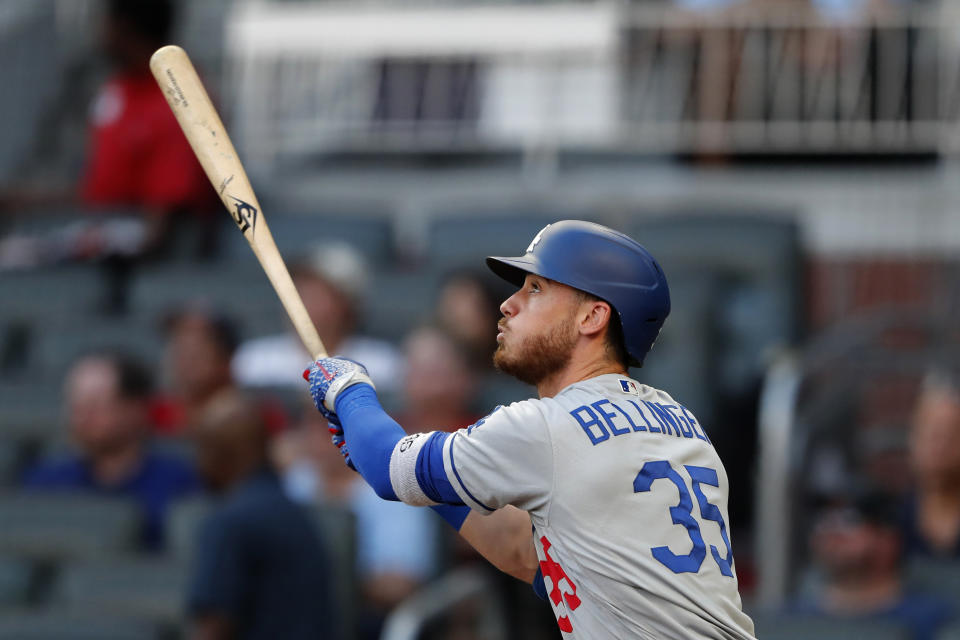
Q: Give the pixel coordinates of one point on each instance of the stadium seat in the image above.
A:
(55, 625)
(149, 589)
(296, 234)
(803, 627)
(57, 347)
(29, 410)
(756, 266)
(49, 293)
(16, 580)
(53, 526)
(950, 632)
(398, 302)
(239, 290)
(10, 455)
(466, 239)
(183, 519)
(938, 578)
(680, 359)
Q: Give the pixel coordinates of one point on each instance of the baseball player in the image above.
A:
(624, 490)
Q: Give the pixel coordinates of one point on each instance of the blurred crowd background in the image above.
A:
(791, 164)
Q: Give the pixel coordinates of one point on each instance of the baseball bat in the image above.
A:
(201, 124)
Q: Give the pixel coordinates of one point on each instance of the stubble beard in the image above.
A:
(538, 357)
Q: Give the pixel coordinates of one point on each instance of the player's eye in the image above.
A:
(534, 287)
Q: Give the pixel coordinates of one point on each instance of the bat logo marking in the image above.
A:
(245, 215)
(177, 91)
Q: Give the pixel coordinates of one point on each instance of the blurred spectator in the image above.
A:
(468, 308)
(137, 161)
(138, 156)
(856, 545)
(107, 402)
(932, 513)
(396, 544)
(331, 280)
(259, 568)
(439, 383)
(199, 348)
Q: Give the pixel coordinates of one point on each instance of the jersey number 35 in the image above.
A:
(682, 514)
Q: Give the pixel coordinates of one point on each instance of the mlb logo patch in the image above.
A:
(629, 386)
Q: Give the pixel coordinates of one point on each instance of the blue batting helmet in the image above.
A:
(604, 263)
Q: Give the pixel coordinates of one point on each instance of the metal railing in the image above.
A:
(441, 597)
(607, 77)
(820, 401)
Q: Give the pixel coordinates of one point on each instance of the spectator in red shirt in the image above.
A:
(138, 156)
(139, 168)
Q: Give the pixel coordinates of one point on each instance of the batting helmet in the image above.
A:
(604, 263)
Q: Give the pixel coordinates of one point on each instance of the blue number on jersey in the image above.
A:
(682, 514)
(712, 512)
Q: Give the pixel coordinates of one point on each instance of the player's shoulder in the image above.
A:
(617, 390)
(607, 387)
(520, 412)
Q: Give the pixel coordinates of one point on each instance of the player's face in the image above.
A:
(537, 333)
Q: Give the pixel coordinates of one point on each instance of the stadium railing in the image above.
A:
(824, 411)
(441, 597)
(612, 77)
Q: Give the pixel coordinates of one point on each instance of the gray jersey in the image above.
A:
(628, 499)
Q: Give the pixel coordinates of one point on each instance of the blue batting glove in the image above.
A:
(328, 377)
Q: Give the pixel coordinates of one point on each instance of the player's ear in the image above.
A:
(594, 317)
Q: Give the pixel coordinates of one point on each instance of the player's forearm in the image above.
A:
(411, 471)
(505, 539)
(371, 435)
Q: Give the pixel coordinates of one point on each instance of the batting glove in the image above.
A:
(330, 376)
(336, 436)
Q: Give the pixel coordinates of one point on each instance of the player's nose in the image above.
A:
(509, 306)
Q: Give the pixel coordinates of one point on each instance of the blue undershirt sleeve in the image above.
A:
(453, 514)
(371, 435)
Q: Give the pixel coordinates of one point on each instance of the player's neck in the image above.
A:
(576, 371)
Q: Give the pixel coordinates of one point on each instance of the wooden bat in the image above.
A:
(200, 123)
